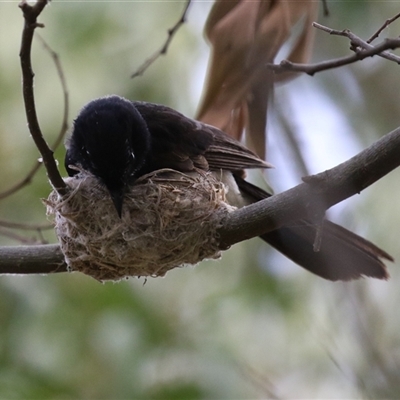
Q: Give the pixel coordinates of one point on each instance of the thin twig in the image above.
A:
(30, 14)
(23, 182)
(164, 48)
(384, 26)
(19, 238)
(325, 8)
(361, 48)
(64, 124)
(311, 69)
(260, 381)
(291, 135)
(7, 227)
(60, 72)
(25, 226)
(10, 225)
(357, 42)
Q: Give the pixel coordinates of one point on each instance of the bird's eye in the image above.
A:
(85, 150)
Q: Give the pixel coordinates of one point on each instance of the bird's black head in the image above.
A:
(110, 139)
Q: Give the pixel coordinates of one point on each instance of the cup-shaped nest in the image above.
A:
(169, 219)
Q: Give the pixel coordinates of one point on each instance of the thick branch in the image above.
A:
(43, 259)
(30, 14)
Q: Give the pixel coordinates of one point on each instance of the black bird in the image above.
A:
(118, 141)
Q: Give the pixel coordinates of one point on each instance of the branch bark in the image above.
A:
(43, 259)
(30, 14)
(366, 52)
(307, 200)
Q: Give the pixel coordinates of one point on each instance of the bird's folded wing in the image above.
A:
(185, 143)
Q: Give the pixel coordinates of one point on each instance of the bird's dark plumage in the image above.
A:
(118, 141)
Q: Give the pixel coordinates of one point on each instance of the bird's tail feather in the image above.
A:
(342, 255)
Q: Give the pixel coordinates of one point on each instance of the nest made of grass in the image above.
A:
(169, 219)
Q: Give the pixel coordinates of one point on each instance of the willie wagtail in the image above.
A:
(118, 141)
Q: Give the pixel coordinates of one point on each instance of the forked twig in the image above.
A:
(357, 42)
(361, 50)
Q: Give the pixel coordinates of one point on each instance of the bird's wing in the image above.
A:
(226, 152)
(183, 143)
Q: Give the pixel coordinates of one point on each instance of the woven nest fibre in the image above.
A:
(169, 219)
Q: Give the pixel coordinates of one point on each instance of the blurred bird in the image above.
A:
(118, 141)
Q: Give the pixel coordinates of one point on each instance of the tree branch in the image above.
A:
(316, 194)
(42, 259)
(307, 200)
(357, 44)
(30, 14)
(360, 54)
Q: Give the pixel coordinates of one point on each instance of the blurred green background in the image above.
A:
(252, 325)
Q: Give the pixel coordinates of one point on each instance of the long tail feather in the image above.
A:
(342, 255)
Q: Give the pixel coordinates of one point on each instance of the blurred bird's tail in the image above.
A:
(342, 255)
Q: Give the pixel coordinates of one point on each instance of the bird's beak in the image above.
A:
(117, 196)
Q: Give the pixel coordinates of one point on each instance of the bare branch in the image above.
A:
(43, 259)
(30, 14)
(384, 26)
(325, 8)
(23, 182)
(357, 42)
(362, 49)
(164, 48)
(311, 69)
